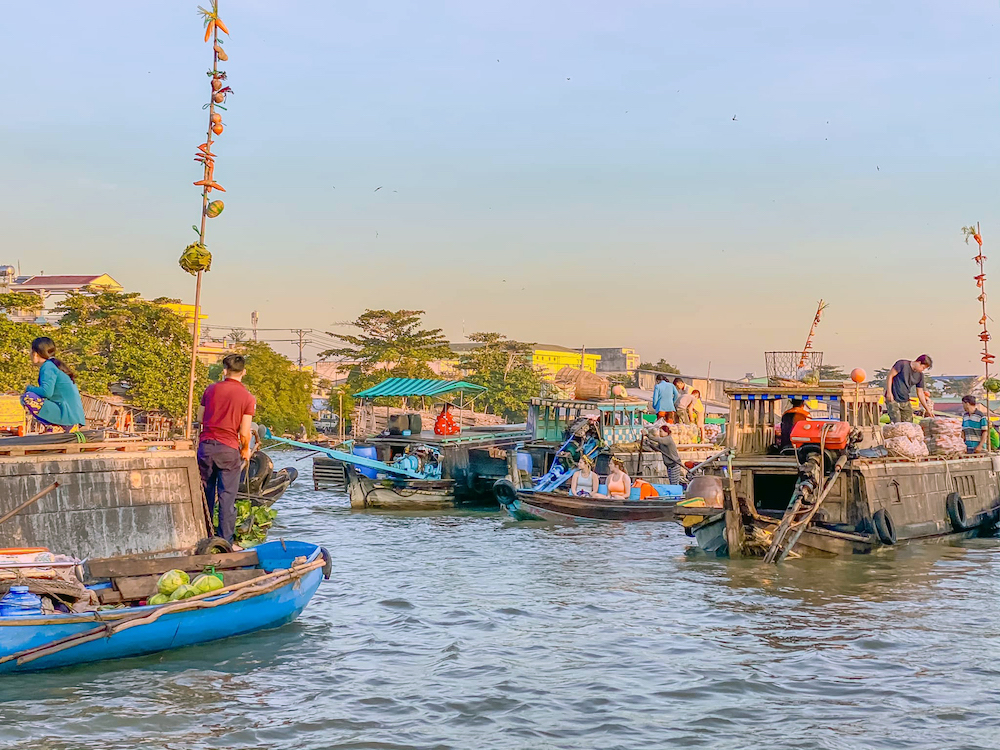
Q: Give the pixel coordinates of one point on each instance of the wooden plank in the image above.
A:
(109, 596)
(142, 587)
(139, 565)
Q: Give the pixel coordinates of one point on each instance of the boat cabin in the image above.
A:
(621, 421)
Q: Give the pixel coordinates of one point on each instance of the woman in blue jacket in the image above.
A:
(55, 401)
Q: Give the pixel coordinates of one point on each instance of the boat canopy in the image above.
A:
(404, 387)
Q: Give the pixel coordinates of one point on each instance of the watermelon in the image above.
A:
(184, 591)
(171, 580)
(207, 582)
(214, 209)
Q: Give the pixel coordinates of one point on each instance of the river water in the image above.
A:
(472, 631)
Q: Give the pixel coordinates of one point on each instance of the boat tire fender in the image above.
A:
(884, 527)
(213, 545)
(955, 507)
(505, 492)
(327, 563)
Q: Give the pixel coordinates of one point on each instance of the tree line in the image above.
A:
(117, 341)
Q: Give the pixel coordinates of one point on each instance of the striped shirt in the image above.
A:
(972, 429)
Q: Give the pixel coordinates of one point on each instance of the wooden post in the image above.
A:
(733, 515)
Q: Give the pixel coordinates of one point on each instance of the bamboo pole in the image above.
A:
(206, 189)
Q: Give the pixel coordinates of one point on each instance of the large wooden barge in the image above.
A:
(842, 502)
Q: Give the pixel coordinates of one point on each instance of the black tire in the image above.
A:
(214, 545)
(505, 492)
(955, 507)
(884, 527)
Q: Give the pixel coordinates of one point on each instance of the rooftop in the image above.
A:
(47, 282)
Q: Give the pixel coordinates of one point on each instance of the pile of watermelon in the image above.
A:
(175, 585)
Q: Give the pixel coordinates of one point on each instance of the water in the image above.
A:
(470, 631)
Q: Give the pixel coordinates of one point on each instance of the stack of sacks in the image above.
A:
(712, 433)
(943, 436)
(904, 439)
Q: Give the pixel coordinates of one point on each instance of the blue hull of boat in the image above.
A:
(263, 611)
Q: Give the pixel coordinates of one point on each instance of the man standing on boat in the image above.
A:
(665, 399)
(902, 378)
(226, 416)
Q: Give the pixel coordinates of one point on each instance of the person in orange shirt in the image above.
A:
(445, 423)
(797, 413)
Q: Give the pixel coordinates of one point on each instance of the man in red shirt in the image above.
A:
(225, 414)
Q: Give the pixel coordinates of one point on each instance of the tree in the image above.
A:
(283, 393)
(504, 368)
(958, 386)
(16, 370)
(881, 375)
(114, 338)
(661, 366)
(236, 335)
(832, 372)
(391, 343)
(18, 301)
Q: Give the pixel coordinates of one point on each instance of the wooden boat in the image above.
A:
(529, 505)
(265, 587)
(620, 424)
(854, 500)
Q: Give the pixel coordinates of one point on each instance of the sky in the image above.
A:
(687, 178)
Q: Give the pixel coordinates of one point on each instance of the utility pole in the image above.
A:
(253, 324)
(301, 344)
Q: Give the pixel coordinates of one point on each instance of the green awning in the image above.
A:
(404, 387)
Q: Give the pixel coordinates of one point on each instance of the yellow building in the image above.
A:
(550, 358)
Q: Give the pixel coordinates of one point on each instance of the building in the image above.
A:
(615, 359)
(551, 358)
(53, 290)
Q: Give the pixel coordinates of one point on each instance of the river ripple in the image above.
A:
(471, 631)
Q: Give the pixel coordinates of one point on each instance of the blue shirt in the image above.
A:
(665, 396)
(972, 430)
(63, 405)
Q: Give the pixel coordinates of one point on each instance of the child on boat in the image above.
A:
(55, 402)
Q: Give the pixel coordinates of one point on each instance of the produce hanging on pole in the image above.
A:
(812, 333)
(196, 259)
(990, 384)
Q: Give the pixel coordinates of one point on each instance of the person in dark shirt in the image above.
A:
(226, 416)
(902, 378)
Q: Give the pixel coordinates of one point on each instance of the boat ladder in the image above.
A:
(804, 504)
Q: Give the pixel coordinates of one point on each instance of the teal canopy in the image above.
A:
(405, 387)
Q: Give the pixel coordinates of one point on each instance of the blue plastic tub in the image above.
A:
(366, 451)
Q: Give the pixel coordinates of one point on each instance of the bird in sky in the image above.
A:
(378, 188)
(734, 118)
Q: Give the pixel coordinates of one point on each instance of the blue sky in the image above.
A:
(567, 172)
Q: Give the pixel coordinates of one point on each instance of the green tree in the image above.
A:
(16, 370)
(504, 368)
(283, 393)
(114, 338)
(390, 343)
(958, 386)
(661, 366)
(11, 302)
(833, 372)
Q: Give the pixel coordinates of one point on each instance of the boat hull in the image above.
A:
(413, 495)
(555, 506)
(176, 630)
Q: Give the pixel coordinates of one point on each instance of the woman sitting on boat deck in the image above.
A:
(619, 483)
(445, 423)
(584, 481)
(55, 402)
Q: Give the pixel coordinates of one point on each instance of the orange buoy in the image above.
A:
(217, 128)
(858, 375)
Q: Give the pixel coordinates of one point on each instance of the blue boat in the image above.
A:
(267, 595)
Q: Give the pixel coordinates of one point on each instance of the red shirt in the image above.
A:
(225, 404)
